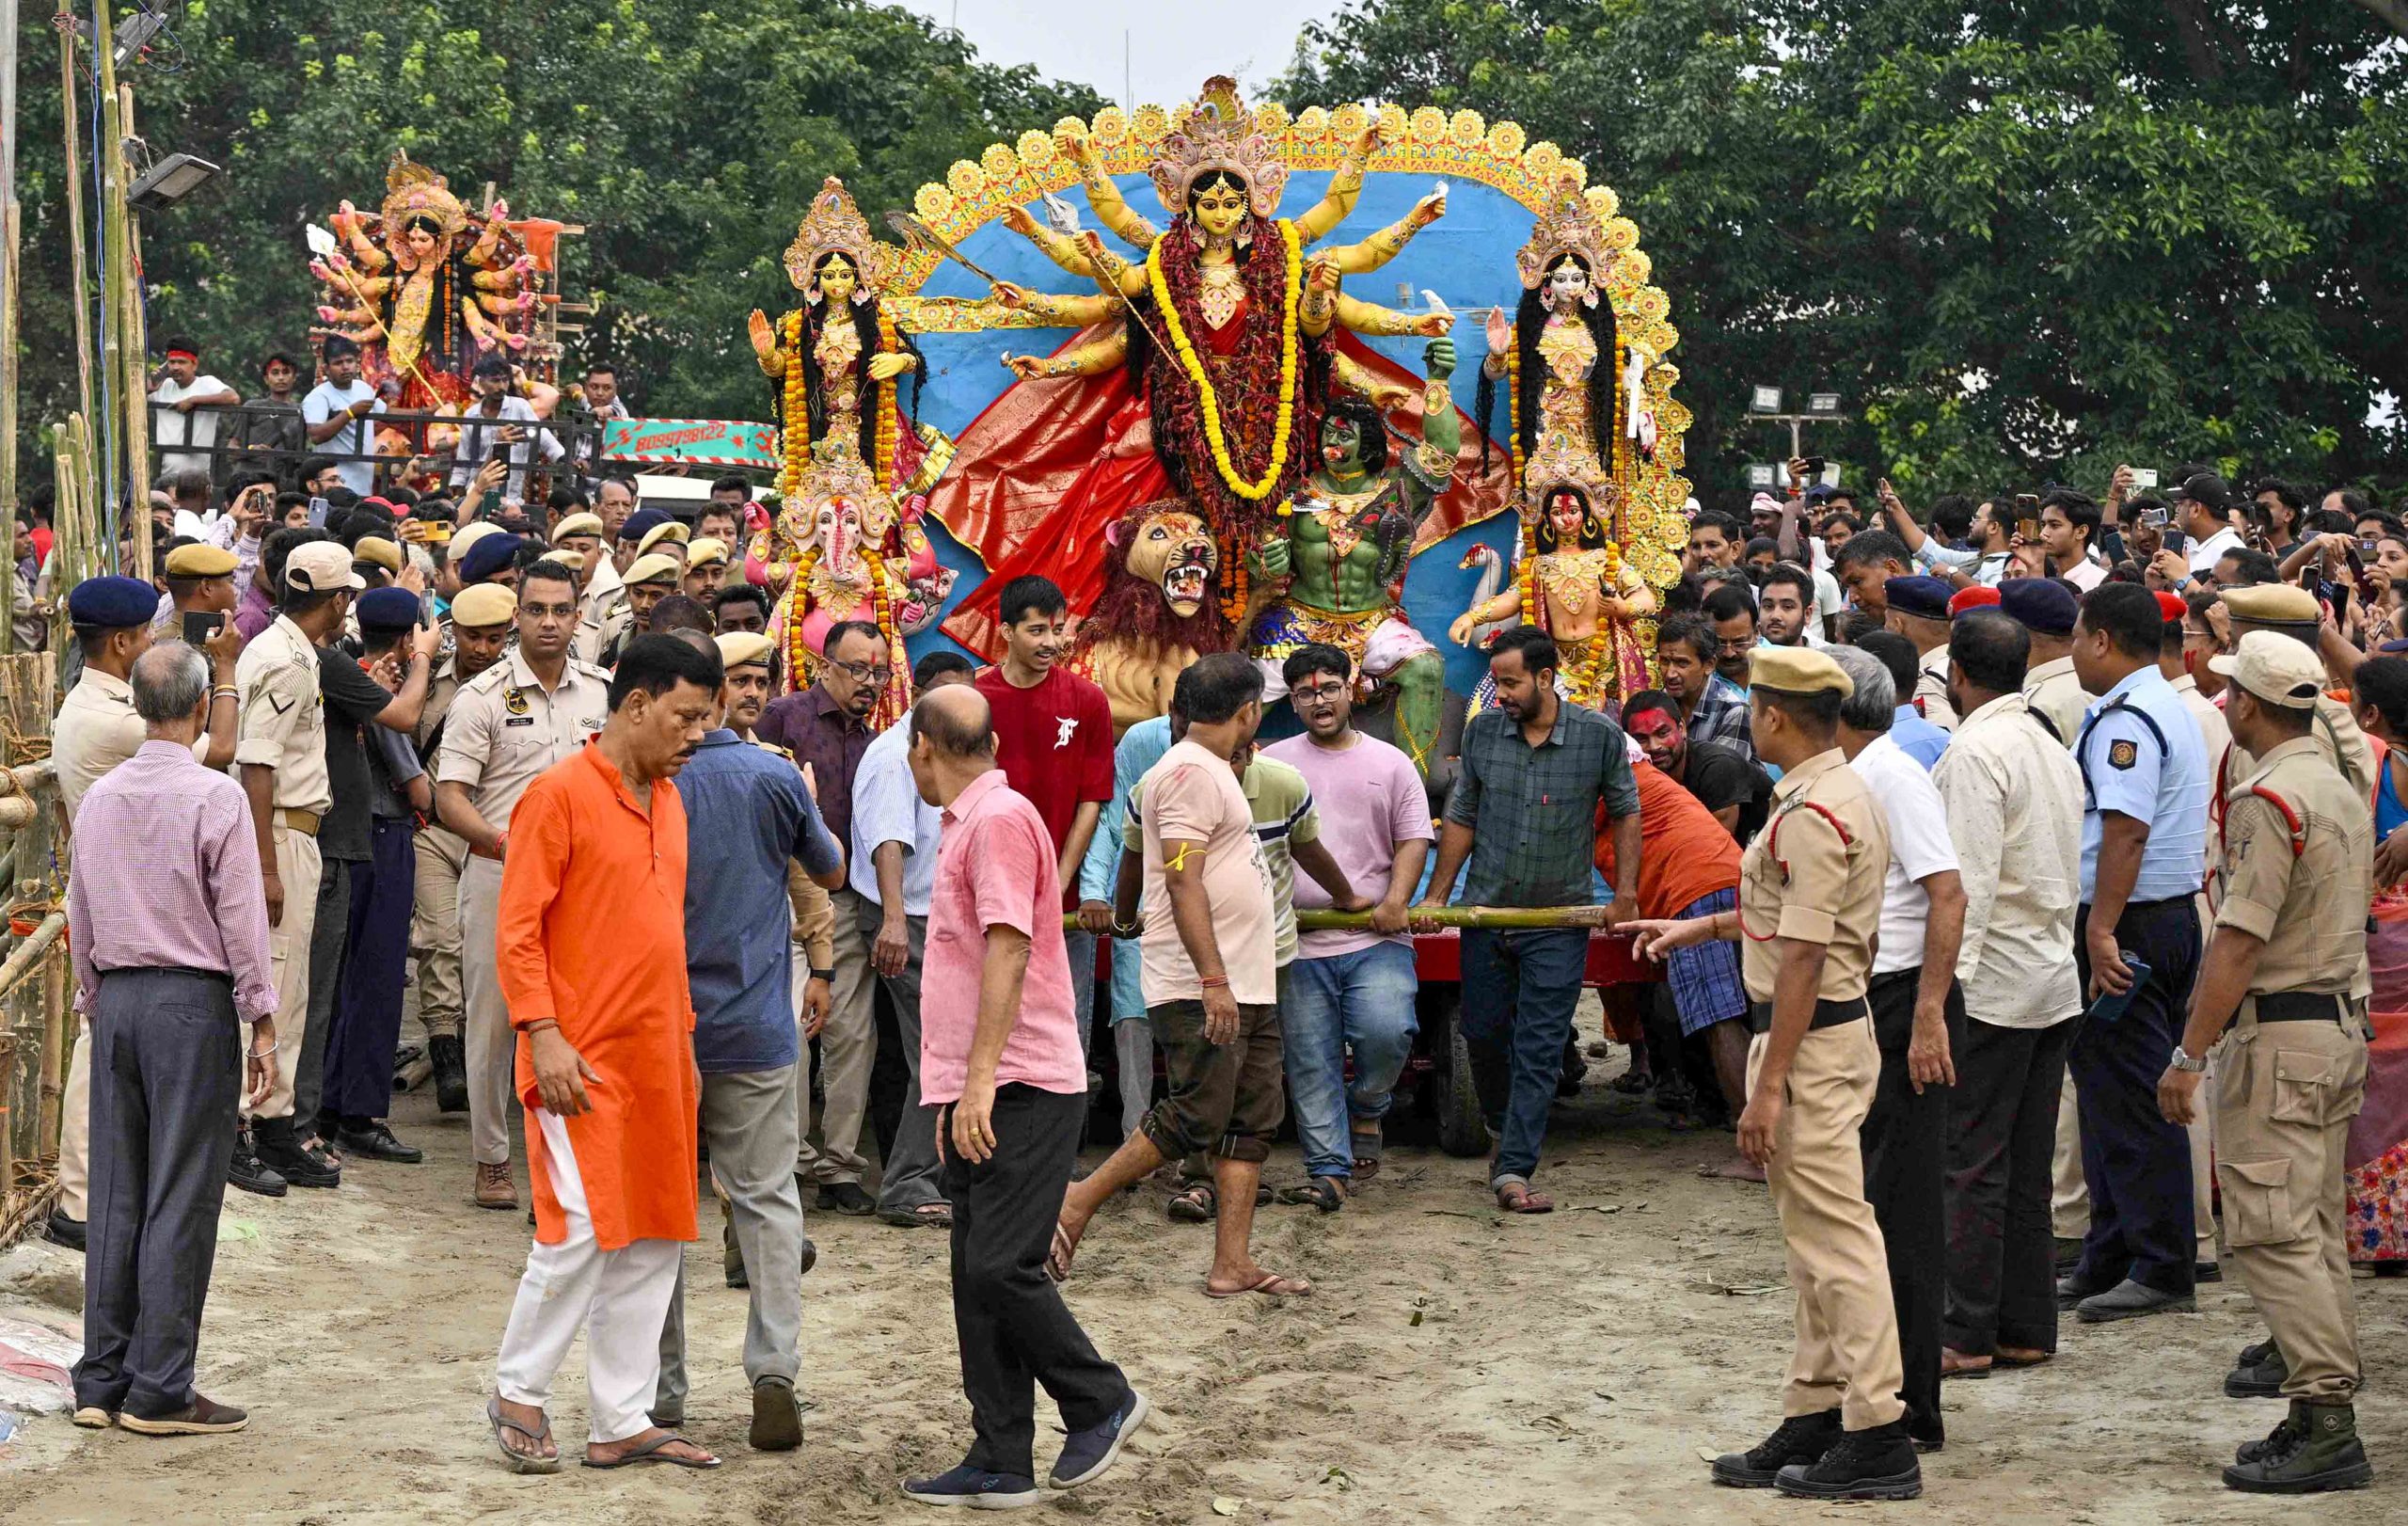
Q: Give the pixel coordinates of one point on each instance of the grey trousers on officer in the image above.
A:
(908, 1177)
(167, 1072)
(749, 1123)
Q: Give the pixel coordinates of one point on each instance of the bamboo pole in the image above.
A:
(1447, 916)
(28, 954)
(9, 252)
(80, 296)
(128, 261)
(55, 1046)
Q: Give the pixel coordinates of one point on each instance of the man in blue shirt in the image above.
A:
(893, 869)
(1914, 736)
(747, 813)
(1140, 748)
(2144, 855)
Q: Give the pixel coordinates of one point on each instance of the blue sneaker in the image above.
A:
(1087, 1453)
(976, 1487)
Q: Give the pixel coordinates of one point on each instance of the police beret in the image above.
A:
(577, 524)
(1926, 598)
(377, 552)
(652, 568)
(2273, 604)
(2040, 606)
(669, 531)
(485, 605)
(1971, 598)
(574, 561)
(386, 609)
(709, 550)
(489, 556)
(2274, 668)
(743, 648)
(2171, 607)
(112, 603)
(1801, 669)
(200, 561)
(642, 523)
(468, 537)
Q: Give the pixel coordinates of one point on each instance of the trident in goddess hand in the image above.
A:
(323, 244)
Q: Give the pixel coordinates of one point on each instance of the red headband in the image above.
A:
(184, 354)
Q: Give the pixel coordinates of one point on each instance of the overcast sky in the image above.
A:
(1171, 49)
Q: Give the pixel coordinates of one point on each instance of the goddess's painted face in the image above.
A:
(418, 243)
(1219, 209)
(1565, 510)
(1567, 283)
(838, 280)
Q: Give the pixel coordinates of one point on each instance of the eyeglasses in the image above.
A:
(1323, 691)
(875, 674)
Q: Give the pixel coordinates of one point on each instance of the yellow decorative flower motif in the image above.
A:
(1541, 159)
(1271, 117)
(1467, 128)
(933, 202)
(1347, 123)
(1620, 233)
(999, 162)
(1151, 124)
(1260, 488)
(1573, 170)
(1635, 266)
(1505, 140)
(966, 178)
(1312, 123)
(1111, 125)
(1429, 125)
(1070, 125)
(1651, 305)
(1394, 121)
(1036, 149)
(1603, 200)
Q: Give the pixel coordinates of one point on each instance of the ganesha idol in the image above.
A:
(840, 550)
(1158, 610)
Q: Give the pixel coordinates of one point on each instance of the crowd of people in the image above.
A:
(1981, 849)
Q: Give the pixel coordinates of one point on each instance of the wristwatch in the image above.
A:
(2184, 1062)
(829, 975)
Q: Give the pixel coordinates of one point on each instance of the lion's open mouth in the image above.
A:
(1187, 579)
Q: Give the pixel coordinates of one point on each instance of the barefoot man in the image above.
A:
(592, 960)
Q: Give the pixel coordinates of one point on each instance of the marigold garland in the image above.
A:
(798, 411)
(798, 648)
(1254, 491)
(888, 408)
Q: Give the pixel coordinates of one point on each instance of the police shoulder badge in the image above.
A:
(2123, 755)
(514, 699)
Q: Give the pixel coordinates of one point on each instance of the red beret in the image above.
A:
(2171, 607)
(1971, 598)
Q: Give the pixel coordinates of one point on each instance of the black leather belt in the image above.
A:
(1828, 1014)
(218, 976)
(2302, 1007)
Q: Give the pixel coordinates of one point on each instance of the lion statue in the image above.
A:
(1157, 612)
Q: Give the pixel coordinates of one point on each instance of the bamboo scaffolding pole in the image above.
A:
(127, 261)
(80, 296)
(51, 1112)
(29, 955)
(9, 220)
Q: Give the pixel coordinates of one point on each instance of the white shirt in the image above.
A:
(2014, 815)
(2205, 553)
(1830, 604)
(170, 428)
(1919, 849)
(477, 444)
(887, 807)
(2085, 575)
(324, 402)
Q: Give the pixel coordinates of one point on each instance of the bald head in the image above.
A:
(170, 682)
(956, 721)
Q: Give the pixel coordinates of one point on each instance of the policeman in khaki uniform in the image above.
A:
(536, 706)
(2291, 612)
(480, 624)
(2294, 875)
(1809, 905)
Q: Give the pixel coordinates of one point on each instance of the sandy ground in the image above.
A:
(1455, 1367)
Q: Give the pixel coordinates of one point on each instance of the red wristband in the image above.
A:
(1212, 982)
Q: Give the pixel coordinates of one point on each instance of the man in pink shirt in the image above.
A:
(1000, 1059)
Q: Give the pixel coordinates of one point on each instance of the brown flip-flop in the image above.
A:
(651, 1452)
(1516, 1198)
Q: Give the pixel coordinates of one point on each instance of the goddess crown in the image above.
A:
(1569, 226)
(1219, 134)
(835, 225)
(1560, 462)
(838, 473)
(412, 190)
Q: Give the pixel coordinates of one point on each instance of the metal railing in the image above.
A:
(579, 437)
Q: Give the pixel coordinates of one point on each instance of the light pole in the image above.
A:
(1763, 405)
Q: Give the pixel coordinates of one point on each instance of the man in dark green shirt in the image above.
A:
(1536, 772)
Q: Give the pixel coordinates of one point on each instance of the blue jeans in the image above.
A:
(1361, 1001)
(1519, 992)
(1080, 945)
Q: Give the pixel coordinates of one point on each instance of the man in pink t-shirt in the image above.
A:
(999, 1058)
(1350, 990)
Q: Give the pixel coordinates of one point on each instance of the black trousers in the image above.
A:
(2001, 1147)
(329, 941)
(2136, 1164)
(1905, 1140)
(1014, 1330)
(357, 1073)
(166, 1071)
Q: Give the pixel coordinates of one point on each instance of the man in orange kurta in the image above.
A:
(592, 965)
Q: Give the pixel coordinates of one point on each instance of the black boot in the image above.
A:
(250, 1173)
(282, 1152)
(2315, 1448)
(450, 1064)
(1800, 1438)
(2257, 1373)
(1874, 1464)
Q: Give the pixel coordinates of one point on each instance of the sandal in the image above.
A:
(1196, 1203)
(1065, 1246)
(1269, 1285)
(1322, 1192)
(1631, 1083)
(651, 1452)
(1365, 1168)
(924, 1216)
(1517, 1197)
(520, 1462)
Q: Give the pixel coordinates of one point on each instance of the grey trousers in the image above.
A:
(1080, 945)
(749, 1123)
(847, 1047)
(166, 1071)
(907, 1178)
(328, 938)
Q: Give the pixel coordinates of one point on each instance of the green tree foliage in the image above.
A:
(2023, 240)
(687, 138)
